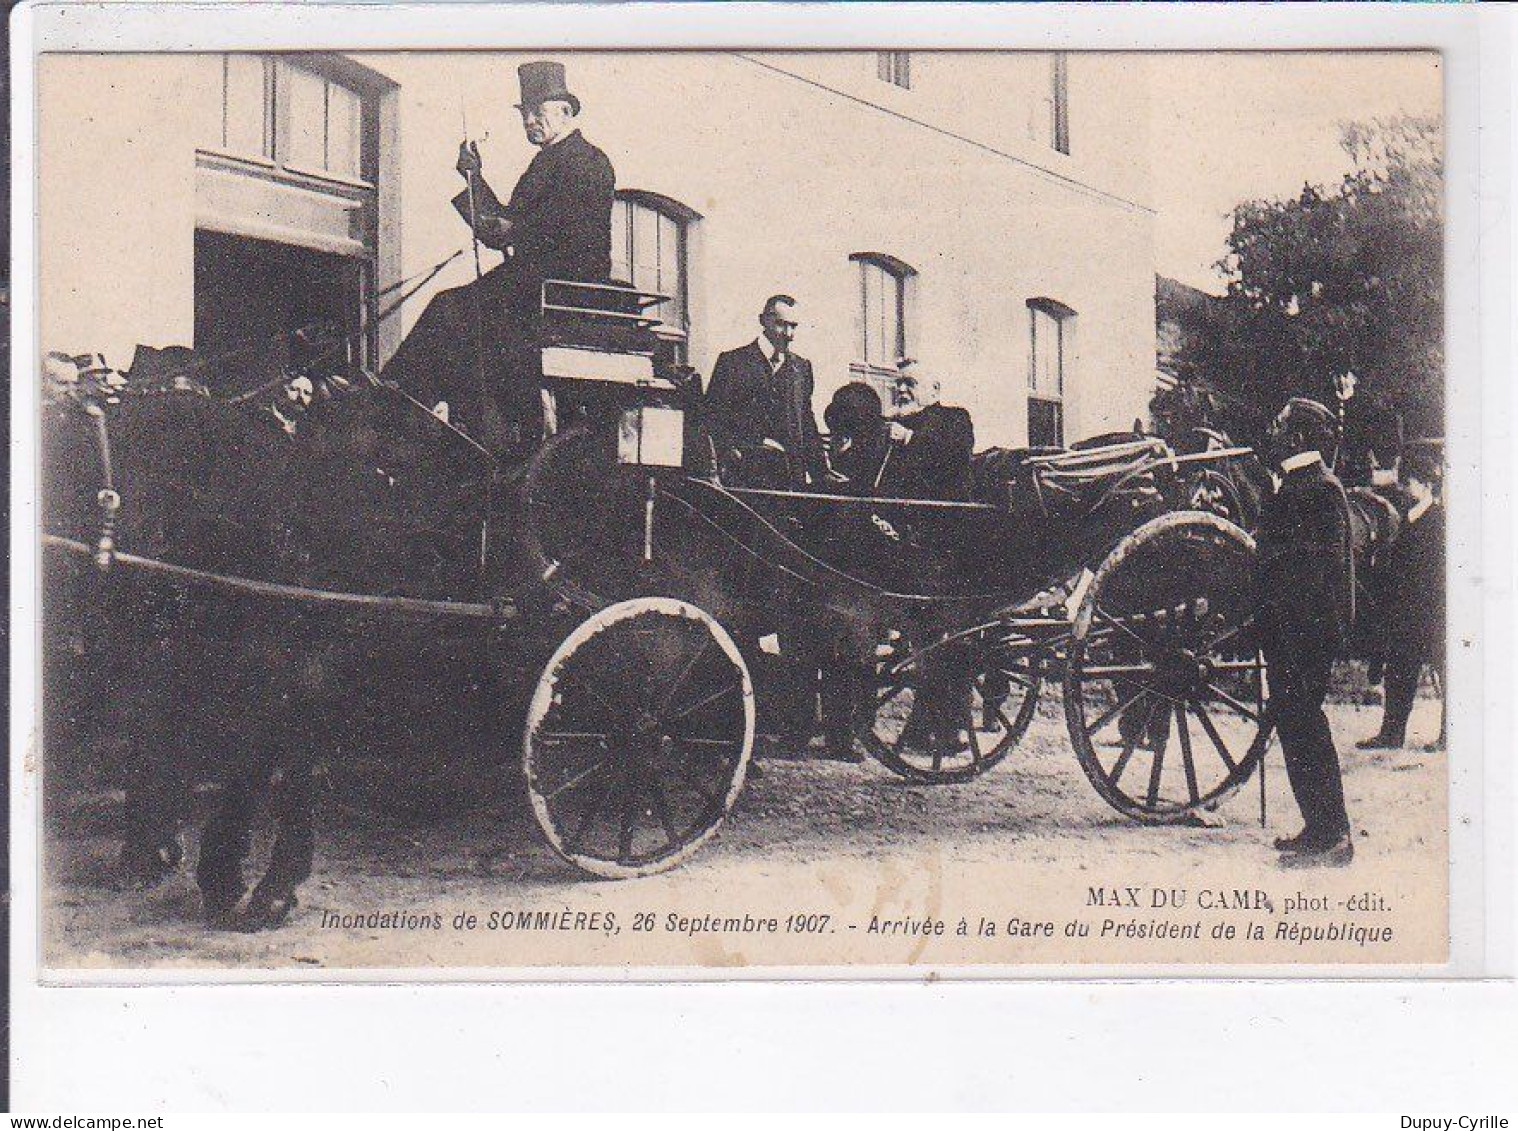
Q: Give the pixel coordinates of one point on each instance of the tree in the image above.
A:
(1335, 279)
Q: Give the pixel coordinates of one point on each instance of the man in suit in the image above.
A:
(758, 408)
(934, 441)
(1305, 592)
(1412, 588)
(757, 412)
(473, 346)
(931, 446)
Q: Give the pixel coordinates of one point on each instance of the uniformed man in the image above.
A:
(1412, 585)
(1305, 592)
(474, 347)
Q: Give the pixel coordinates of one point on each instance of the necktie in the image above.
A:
(791, 421)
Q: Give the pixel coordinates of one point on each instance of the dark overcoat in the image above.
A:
(746, 404)
(935, 463)
(1305, 569)
(560, 212)
(1413, 584)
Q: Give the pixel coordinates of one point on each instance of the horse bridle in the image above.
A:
(108, 499)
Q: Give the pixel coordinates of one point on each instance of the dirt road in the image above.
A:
(1026, 844)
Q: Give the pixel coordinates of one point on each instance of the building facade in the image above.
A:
(985, 213)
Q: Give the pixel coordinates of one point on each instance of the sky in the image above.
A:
(1232, 127)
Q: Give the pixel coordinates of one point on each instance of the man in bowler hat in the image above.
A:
(1305, 590)
(556, 224)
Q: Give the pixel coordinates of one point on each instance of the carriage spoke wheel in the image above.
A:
(1215, 493)
(941, 727)
(1164, 685)
(638, 737)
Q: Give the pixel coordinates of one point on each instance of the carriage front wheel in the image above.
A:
(638, 737)
(1163, 684)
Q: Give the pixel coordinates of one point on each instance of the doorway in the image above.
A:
(252, 296)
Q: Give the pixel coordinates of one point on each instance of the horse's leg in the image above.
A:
(224, 845)
(154, 801)
(291, 858)
(156, 790)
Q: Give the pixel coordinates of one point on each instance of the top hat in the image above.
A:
(543, 81)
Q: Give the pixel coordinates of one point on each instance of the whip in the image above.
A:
(490, 422)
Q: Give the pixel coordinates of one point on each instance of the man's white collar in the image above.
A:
(767, 349)
(1300, 460)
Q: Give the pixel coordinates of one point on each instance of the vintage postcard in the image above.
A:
(741, 511)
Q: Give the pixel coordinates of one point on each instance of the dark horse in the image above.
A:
(314, 480)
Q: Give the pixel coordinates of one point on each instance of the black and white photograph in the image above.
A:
(740, 510)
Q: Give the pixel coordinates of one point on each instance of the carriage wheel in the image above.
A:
(1164, 683)
(1211, 491)
(638, 737)
(570, 523)
(951, 728)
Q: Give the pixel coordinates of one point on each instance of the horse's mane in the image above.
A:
(358, 490)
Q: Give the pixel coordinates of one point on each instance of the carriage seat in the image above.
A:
(611, 316)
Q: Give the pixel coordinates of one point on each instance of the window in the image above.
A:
(291, 115)
(247, 98)
(882, 338)
(288, 202)
(1046, 423)
(1051, 329)
(1059, 102)
(894, 67)
(650, 236)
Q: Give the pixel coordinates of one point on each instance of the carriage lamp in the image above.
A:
(651, 436)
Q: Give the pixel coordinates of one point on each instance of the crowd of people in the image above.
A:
(757, 410)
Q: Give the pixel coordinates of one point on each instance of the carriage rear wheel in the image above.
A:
(1164, 692)
(939, 727)
(638, 737)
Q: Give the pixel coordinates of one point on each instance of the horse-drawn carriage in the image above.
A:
(637, 590)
